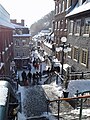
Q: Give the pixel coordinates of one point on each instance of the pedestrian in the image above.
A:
(37, 77)
(37, 66)
(29, 67)
(34, 62)
(34, 77)
(29, 75)
(48, 71)
(24, 77)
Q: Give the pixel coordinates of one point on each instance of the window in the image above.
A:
(77, 27)
(68, 3)
(61, 25)
(62, 7)
(56, 25)
(80, 2)
(84, 57)
(56, 11)
(23, 42)
(20, 32)
(65, 28)
(71, 24)
(75, 54)
(23, 54)
(87, 26)
(17, 43)
(17, 54)
(59, 7)
(70, 52)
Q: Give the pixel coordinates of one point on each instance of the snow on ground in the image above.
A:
(80, 85)
(57, 91)
(21, 115)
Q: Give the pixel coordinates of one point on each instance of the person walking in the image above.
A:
(24, 77)
(34, 77)
(29, 75)
(29, 67)
(37, 77)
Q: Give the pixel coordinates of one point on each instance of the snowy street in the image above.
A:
(34, 100)
(34, 104)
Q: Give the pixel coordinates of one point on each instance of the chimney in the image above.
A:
(22, 22)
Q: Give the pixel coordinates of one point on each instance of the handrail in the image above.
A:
(59, 100)
(71, 98)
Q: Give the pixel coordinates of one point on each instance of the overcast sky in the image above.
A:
(29, 10)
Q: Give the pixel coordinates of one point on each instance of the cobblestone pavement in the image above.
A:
(35, 104)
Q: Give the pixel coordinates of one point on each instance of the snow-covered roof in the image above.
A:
(17, 26)
(45, 31)
(84, 7)
(22, 35)
(23, 58)
(6, 23)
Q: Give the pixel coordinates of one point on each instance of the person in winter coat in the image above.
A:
(29, 75)
(34, 78)
(24, 76)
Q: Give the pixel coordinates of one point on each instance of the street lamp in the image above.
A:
(64, 48)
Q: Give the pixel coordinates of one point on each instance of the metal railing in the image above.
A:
(79, 99)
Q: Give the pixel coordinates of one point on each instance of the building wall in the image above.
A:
(79, 38)
(60, 23)
(6, 42)
(22, 49)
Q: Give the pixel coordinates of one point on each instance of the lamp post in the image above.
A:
(64, 48)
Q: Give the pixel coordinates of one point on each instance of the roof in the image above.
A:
(6, 23)
(22, 35)
(18, 26)
(84, 7)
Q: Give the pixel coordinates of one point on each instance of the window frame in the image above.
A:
(77, 28)
(75, 53)
(86, 29)
(71, 28)
(84, 59)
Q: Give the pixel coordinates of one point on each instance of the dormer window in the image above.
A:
(80, 2)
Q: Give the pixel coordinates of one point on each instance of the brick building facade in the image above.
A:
(6, 42)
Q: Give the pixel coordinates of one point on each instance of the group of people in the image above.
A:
(26, 78)
(31, 78)
(36, 63)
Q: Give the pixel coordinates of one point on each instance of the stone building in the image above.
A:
(6, 41)
(79, 36)
(22, 40)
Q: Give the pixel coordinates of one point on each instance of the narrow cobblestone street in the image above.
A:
(34, 104)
